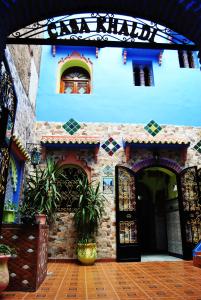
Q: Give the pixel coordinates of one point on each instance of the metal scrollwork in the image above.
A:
(191, 205)
(100, 27)
(8, 103)
(4, 163)
(127, 198)
(68, 188)
(7, 92)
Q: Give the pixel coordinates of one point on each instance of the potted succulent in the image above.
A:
(42, 194)
(87, 215)
(5, 254)
(9, 212)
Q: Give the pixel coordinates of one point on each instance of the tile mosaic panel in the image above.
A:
(111, 146)
(71, 126)
(108, 170)
(198, 147)
(153, 128)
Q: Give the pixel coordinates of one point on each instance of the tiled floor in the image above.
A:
(115, 281)
(159, 257)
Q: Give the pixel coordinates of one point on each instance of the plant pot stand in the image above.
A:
(29, 268)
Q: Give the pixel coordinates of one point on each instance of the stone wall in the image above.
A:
(22, 55)
(23, 61)
(63, 236)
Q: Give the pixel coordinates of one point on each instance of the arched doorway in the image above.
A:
(157, 210)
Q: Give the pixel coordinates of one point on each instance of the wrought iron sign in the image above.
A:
(105, 29)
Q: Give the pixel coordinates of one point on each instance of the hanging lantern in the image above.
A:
(35, 157)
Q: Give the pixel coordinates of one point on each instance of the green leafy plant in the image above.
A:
(27, 212)
(6, 250)
(42, 193)
(90, 209)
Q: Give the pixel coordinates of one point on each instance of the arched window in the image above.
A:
(75, 80)
(68, 187)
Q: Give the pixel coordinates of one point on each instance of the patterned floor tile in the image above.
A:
(114, 281)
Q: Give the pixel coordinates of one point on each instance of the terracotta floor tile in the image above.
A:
(116, 281)
(12, 295)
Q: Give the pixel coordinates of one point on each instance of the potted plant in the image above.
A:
(5, 254)
(9, 212)
(26, 212)
(87, 216)
(42, 194)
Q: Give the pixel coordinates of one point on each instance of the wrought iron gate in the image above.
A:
(126, 216)
(190, 209)
(8, 104)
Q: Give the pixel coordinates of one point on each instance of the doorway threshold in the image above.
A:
(158, 257)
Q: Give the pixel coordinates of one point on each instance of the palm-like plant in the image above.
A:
(42, 190)
(90, 209)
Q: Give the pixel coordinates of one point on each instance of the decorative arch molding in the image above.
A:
(75, 59)
(163, 162)
(72, 159)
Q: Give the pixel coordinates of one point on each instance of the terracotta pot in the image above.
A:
(86, 253)
(40, 219)
(4, 274)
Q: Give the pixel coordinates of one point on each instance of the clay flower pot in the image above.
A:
(4, 274)
(40, 219)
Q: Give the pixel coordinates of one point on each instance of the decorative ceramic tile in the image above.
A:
(71, 126)
(198, 147)
(111, 146)
(108, 185)
(108, 171)
(153, 128)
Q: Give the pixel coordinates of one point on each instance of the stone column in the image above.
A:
(142, 81)
(185, 59)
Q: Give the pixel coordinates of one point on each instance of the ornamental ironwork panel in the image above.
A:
(101, 28)
(127, 197)
(127, 207)
(8, 103)
(199, 183)
(128, 232)
(69, 188)
(191, 207)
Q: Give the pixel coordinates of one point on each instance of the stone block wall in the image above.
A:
(63, 236)
(24, 62)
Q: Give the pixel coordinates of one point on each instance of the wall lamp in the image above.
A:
(34, 152)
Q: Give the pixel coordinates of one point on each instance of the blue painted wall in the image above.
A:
(175, 97)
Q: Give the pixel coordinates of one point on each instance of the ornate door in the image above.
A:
(126, 216)
(190, 210)
(7, 118)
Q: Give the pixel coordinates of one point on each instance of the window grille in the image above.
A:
(69, 188)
